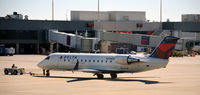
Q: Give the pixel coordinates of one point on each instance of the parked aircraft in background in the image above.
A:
(112, 64)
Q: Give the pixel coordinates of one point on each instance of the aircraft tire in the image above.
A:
(6, 72)
(47, 73)
(100, 76)
(113, 75)
(43, 72)
(15, 72)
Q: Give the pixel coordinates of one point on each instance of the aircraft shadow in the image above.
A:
(119, 79)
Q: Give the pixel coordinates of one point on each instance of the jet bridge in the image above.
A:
(80, 43)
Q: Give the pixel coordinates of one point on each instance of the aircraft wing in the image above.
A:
(95, 70)
(88, 70)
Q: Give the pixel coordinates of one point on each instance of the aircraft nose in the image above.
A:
(40, 64)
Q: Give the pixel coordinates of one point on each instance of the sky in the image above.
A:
(41, 9)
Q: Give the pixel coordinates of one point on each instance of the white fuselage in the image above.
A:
(100, 62)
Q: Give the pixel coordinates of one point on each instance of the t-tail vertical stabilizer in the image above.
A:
(165, 48)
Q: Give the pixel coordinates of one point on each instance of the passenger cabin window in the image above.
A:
(101, 61)
(47, 58)
(93, 60)
(98, 61)
(89, 60)
(85, 60)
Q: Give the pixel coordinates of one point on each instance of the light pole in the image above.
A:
(98, 6)
(98, 12)
(52, 10)
(160, 10)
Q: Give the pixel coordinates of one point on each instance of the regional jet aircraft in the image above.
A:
(112, 64)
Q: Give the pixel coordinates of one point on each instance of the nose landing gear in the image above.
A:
(47, 73)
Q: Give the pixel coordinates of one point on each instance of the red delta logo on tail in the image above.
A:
(165, 48)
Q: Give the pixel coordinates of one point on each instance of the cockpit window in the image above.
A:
(47, 58)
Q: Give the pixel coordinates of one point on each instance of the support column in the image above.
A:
(17, 48)
(51, 47)
(171, 33)
(57, 47)
(179, 33)
(76, 33)
(86, 34)
(183, 44)
(38, 48)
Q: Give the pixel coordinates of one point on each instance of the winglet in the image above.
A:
(165, 48)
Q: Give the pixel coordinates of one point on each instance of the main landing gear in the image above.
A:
(113, 75)
(100, 76)
(46, 72)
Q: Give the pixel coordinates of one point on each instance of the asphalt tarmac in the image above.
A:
(181, 77)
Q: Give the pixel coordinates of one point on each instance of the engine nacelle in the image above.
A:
(125, 60)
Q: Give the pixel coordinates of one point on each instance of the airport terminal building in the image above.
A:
(114, 30)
